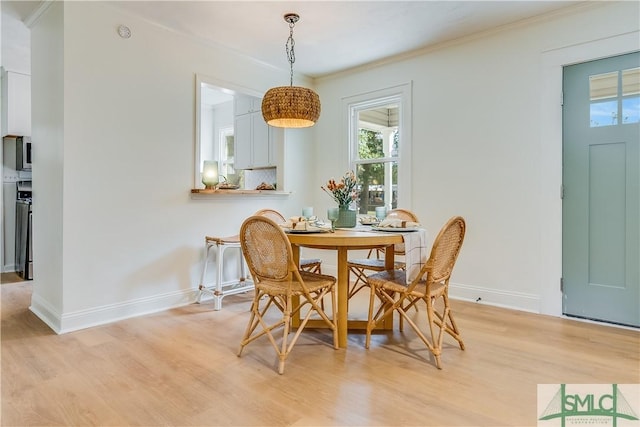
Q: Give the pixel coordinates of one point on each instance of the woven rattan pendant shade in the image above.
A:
(291, 107)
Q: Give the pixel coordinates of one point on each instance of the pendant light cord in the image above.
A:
(289, 47)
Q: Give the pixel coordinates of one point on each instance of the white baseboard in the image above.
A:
(45, 312)
(9, 268)
(496, 297)
(82, 319)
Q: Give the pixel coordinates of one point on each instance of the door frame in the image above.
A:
(550, 173)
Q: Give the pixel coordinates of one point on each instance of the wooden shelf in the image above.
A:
(201, 192)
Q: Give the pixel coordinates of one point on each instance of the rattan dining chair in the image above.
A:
(430, 285)
(312, 265)
(278, 280)
(375, 260)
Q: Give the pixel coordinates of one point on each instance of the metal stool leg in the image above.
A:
(218, 294)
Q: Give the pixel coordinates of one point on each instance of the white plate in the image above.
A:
(397, 229)
(306, 231)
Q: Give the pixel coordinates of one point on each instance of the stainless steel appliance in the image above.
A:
(10, 176)
(24, 226)
(23, 153)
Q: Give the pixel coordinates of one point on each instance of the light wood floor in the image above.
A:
(10, 277)
(180, 368)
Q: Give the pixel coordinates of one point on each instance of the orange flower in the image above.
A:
(343, 192)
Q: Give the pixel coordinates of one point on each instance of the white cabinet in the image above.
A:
(16, 103)
(254, 139)
(244, 104)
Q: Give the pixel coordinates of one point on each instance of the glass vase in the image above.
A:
(346, 217)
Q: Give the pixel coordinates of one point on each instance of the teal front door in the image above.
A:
(601, 190)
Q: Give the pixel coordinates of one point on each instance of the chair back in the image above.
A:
(404, 215)
(272, 214)
(445, 250)
(266, 249)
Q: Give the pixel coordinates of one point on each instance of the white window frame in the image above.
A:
(402, 95)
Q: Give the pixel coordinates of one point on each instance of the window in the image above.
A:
(613, 96)
(215, 127)
(380, 147)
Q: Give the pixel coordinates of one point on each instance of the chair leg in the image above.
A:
(436, 349)
(284, 303)
(370, 319)
(387, 306)
(449, 324)
(361, 277)
(286, 317)
(202, 288)
(251, 326)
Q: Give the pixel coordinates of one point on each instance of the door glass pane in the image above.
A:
(631, 110)
(604, 113)
(602, 86)
(377, 186)
(631, 81)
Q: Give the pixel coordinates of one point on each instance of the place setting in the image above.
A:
(380, 222)
(396, 225)
(307, 223)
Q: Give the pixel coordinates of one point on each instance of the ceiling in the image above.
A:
(331, 36)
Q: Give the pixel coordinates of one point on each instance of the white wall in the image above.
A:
(481, 147)
(15, 40)
(117, 231)
(47, 127)
(119, 234)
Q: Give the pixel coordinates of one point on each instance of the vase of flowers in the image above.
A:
(344, 193)
(346, 217)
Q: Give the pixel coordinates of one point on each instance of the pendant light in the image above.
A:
(291, 106)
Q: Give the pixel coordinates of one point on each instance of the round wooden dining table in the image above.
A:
(342, 241)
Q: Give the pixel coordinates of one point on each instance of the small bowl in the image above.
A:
(368, 221)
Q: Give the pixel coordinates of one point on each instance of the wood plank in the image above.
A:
(180, 367)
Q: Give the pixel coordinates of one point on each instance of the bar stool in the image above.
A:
(221, 288)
